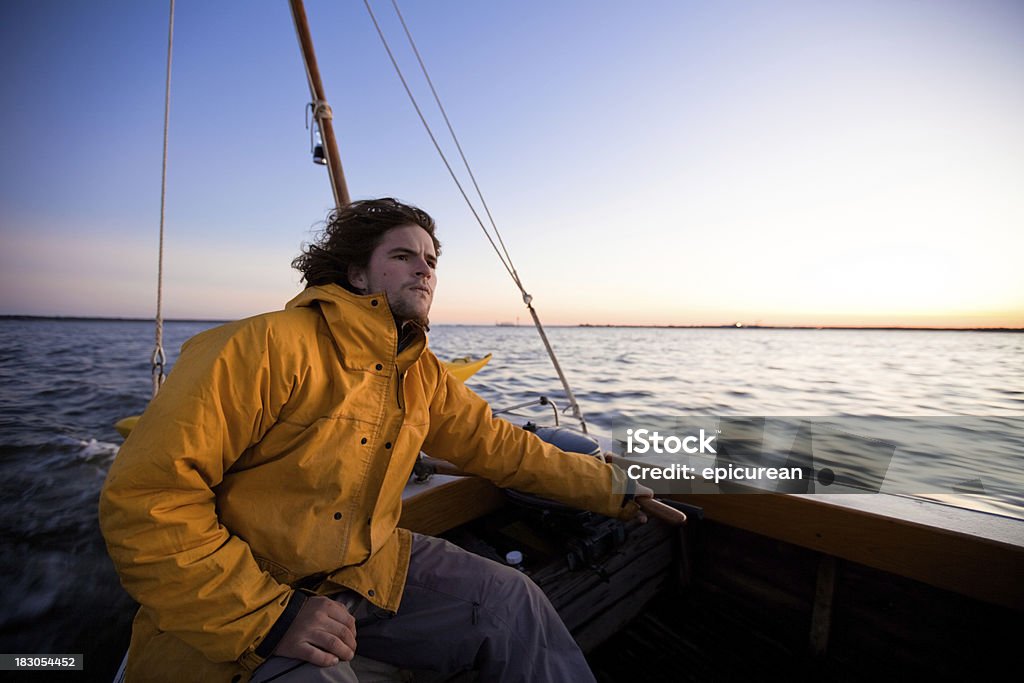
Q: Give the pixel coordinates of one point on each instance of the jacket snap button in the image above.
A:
(370, 593)
(337, 515)
(379, 366)
(387, 445)
(373, 303)
(362, 440)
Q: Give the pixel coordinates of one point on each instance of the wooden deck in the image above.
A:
(749, 613)
(785, 586)
(972, 553)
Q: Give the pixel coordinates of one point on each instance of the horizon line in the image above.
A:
(732, 326)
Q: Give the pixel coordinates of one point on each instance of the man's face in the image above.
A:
(402, 266)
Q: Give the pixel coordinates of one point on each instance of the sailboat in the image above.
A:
(781, 585)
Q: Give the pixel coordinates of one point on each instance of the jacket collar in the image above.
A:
(362, 326)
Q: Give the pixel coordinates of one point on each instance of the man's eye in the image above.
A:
(402, 257)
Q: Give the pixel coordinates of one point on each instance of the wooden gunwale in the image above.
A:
(972, 553)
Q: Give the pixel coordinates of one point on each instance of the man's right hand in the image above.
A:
(323, 633)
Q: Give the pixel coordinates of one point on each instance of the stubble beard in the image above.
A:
(410, 312)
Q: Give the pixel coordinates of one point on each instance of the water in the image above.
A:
(64, 384)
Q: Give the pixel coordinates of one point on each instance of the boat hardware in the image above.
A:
(540, 401)
(316, 141)
(321, 110)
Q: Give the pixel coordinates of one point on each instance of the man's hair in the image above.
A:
(351, 234)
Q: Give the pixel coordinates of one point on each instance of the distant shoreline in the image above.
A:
(804, 327)
(734, 326)
(103, 319)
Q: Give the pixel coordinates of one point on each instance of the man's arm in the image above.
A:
(463, 431)
(158, 510)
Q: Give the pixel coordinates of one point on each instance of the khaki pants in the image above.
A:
(459, 612)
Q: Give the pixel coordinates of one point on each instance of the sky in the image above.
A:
(653, 162)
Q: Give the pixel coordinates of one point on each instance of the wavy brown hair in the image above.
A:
(350, 236)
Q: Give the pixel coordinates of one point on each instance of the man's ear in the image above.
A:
(357, 277)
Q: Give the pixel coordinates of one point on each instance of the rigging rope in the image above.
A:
(502, 253)
(159, 358)
(455, 139)
(433, 139)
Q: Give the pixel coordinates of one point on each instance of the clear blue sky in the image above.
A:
(650, 162)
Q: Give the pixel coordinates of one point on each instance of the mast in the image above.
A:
(321, 110)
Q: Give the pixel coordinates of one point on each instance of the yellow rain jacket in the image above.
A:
(277, 450)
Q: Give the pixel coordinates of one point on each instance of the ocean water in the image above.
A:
(63, 384)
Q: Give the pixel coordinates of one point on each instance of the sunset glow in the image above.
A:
(792, 163)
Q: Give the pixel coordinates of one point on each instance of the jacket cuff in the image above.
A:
(281, 626)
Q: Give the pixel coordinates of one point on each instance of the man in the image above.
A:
(253, 510)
